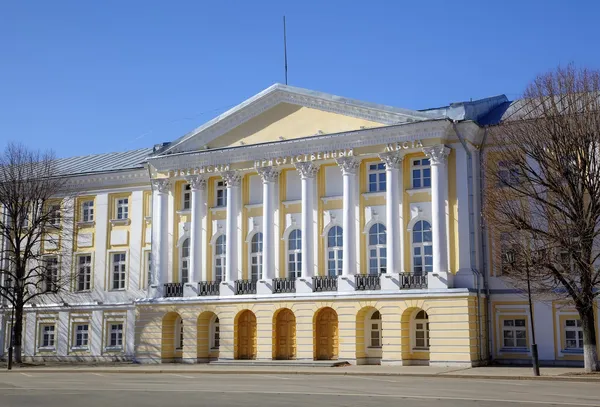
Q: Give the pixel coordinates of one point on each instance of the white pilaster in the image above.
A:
(160, 236)
(233, 181)
(198, 201)
(439, 194)
(308, 171)
(349, 166)
(393, 211)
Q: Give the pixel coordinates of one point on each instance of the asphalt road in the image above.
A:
(27, 389)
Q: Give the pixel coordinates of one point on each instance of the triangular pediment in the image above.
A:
(284, 113)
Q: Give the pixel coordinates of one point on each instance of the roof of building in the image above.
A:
(95, 163)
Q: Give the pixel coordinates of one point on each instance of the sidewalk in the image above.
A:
(491, 372)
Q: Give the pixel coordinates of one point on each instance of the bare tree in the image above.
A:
(543, 185)
(34, 211)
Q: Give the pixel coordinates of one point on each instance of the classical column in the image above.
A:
(198, 192)
(307, 171)
(269, 177)
(160, 235)
(393, 200)
(439, 193)
(233, 181)
(349, 166)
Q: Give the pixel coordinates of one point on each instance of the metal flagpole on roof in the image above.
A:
(285, 51)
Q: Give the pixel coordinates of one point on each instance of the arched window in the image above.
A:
(335, 253)
(256, 260)
(294, 254)
(219, 262)
(375, 330)
(421, 331)
(185, 261)
(178, 334)
(377, 249)
(215, 338)
(422, 248)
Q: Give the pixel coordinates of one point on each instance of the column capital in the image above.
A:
(307, 169)
(392, 160)
(197, 182)
(437, 154)
(349, 165)
(268, 174)
(232, 178)
(161, 185)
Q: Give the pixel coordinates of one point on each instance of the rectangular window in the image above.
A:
(81, 336)
(50, 277)
(421, 173)
(573, 335)
(54, 215)
(514, 333)
(186, 202)
(122, 208)
(376, 177)
(221, 193)
(119, 271)
(115, 335)
(84, 272)
(508, 174)
(47, 336)
(87, 211)
(149, 268)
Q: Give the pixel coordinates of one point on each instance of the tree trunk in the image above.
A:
(590, 352)
(18, 333)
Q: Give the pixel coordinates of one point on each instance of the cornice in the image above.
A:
(117, 178)
(330, 142)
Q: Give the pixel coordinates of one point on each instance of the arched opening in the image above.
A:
(415, 337)
(368, 336)
(171, 338)
(326, 342)
(245, 335)
(208, 339)
(284, 335)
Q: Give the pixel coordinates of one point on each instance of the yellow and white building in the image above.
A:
(299, 226)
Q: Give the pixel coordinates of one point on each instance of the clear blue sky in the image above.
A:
(84, 77)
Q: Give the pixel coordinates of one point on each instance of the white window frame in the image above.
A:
(87, 210)
(335, 253)
(422, 248)
(219, 258)
(419, 325)
(215, 333)
(47, 334)
(88, 269)
(377, 169)
(123, 263)
(186, 197)
(578, 331)
(374, 327)
(178, 335)
(220, 193)
(417, 167)
(184, 261)
(51, 272)
(379, 247)
(256, 256)
(84, 334)
(508, 174)
(294, 256)
(54, 215)
(122, 208)
(118, 331)
(514, 329)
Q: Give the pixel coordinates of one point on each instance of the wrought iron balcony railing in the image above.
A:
(208, 288)
(174, 290)
(245, 287)
(284, 285)
(367, 282)
(324, 283)
(410, 280)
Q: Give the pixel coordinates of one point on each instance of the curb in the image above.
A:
(292, 372)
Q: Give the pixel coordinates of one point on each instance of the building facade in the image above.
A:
(296, 226)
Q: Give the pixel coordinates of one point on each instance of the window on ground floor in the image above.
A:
(81, 336)
(421, 330)
(47, 336)
(573, 335)
(514, 333)
(114, 338)
(215, 334)
(375, 330)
